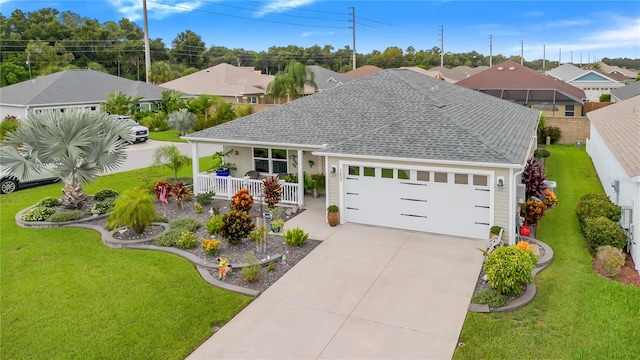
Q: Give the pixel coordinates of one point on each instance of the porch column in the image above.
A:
(196, 167)
(300, 178)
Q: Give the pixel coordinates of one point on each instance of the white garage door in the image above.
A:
(452, 203)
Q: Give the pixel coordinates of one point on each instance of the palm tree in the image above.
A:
(75, 146)
(182, 120)
(120, 104)
(160, 72)
(292, 81)
(172, 158)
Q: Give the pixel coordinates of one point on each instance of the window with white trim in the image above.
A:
(271, 161)
(252, 99)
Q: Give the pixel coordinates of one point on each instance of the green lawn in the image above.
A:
(167, 135)
(576, 314)
(66, 295)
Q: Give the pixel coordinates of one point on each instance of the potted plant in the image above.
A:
(333, 215)
(495, 231)
(225, 168)
(277, 225)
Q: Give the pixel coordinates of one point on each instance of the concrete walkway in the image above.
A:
(365, 292)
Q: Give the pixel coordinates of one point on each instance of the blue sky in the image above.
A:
(591, 29)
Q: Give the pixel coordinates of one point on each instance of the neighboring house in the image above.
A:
(592, 82)
(72, 89)
(511, 81)
(432, 73)
(398, 149)
(614, 148)
(629, 74)
(327, 79)
(459, 72)
(363, 71)
(626, 92)
(237, 85)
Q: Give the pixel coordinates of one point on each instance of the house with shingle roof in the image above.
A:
(511, 81)
(363, 71)
(237, 85)
(68, 89)
(629, 74)
(593, 83)
(626, 92)
(459, 72)
(614, 147)
(397, 148)
(327, 79)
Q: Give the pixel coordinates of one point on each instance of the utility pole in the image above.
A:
(571, 57)
(353, 20)
(560, 57)
(544, 55)
(147, 52)
(521, 52)
(490, 50)
(442, 45)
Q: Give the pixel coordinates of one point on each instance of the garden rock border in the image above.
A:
(144, 244)
(530, 291)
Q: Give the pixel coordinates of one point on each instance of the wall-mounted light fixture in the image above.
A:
(334, 169)
(500, 182)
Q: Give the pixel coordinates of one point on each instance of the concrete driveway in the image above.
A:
(365, 292)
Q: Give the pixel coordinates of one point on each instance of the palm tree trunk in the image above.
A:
(72, 196)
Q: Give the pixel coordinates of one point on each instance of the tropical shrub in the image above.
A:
(236, 225)
(251, 273)
(8, 125)
(38, 213)
(213, 225)
(532, 211)
(242, 200)
(162, 187)
(187, 240)
(105, 194)
(134, 209)
(187, 224)
(550, 198)
(605, 97)
(210, 246)
(600, 231)
(258, 233)
(101, 207)
(272, 191)
(554, 134)
(180, 191)
(491, 297)
(48, 202)
(66, 216)
(272, 266)
(170, 238)
(523, 246)
(596, 205)
(508, 268)
(533, 178)
(541, 153)
(155, 122)
(197, 207)
(277, 225)
(205, 198)
(610, 259)
(295, 237)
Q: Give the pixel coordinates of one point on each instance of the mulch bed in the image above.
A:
(628, 275)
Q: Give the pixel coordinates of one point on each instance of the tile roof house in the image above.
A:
(71, 89)
(591, 81)
(398, 149)
(614, 147)
(363, 71)
(511, 81)
(626, 92)
(238, 85)
(629, 74)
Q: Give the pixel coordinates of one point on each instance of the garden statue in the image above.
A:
(224, 268)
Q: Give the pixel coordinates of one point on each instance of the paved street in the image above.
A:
(141, 155)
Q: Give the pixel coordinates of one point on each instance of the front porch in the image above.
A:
(226, 186)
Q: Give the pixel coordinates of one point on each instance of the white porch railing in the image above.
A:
(226, 186)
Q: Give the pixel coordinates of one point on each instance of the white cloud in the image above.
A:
(314, 33)
(132, 9)
(566, 23)
(279, 6)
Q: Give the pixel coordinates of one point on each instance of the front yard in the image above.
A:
(576, 314)
(66, 295)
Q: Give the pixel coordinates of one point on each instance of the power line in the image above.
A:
(298, 9)
(267, 12)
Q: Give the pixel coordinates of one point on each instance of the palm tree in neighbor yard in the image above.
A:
(76, 146)
(291, 82)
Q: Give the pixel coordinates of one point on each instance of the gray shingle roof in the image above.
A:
(75, 87)
(395, 113)
(328, 79)
(628, 91)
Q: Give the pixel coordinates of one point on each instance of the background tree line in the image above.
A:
(46, 41)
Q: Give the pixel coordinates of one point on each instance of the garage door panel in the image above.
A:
(439, 207)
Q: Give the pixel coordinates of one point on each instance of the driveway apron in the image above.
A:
(364, 293)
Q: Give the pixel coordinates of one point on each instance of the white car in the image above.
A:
(140, 133)
(10, 183)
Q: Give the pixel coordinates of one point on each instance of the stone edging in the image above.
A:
(530, 292)
(143, 244)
